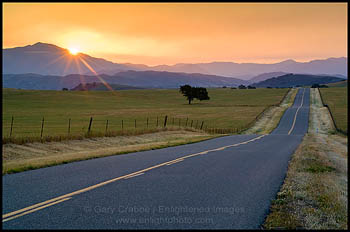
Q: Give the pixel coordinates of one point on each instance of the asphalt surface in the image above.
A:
(228, 188)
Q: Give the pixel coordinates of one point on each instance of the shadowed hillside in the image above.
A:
(292, 80)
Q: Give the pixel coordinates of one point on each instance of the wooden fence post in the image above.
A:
(42, 128)
(68, 127)
(89, 129)
(157, 121)
(11, 127)
(122, 125)
(135, 123)
(106, 127)
(147, 122)
(166, 118)
(196, 124)
(202, 125)
(186, 121)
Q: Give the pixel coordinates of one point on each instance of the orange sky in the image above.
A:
(169, 33)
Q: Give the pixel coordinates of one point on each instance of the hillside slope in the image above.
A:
(292, 80)
(143, 79)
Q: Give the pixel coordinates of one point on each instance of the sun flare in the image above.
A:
(73, 51)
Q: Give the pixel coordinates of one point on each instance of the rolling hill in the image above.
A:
(265, 76)
(292, 80)
(102, 87)
(49, 59)
(339, 84)
(142, 79)
(246, 71)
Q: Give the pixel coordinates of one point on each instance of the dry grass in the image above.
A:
(271, 117)
(224, 110)
(17, 158)
(314, 193)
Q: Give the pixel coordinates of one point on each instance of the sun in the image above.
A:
(73, 51)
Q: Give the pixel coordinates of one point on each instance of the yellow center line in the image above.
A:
(175, 161)
(33, 208)
(296, 113)
(134, 175)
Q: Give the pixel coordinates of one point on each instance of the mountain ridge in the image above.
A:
(49, 59)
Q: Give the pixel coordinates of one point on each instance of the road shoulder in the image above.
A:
(18, 158)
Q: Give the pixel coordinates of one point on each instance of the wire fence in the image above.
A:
(27, 129)
(330, 112)
(19, 130)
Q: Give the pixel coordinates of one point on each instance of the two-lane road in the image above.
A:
(226, 183)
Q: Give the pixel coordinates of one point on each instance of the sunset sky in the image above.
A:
(170, 33)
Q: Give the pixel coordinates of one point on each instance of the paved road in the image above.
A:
(223, 183)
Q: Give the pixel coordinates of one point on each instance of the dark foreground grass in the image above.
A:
(126, 110)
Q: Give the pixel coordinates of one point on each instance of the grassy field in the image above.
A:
(337, 100)
(226, 108)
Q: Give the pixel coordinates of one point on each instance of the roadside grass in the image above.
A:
(93, 134)
(19, 158)
(224, 110)
(337, 100)
(310, 197)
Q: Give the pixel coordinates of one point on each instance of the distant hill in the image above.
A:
(265, 76)
(101, 87)
(49, 59)
(339, 84)
(142, 79)
(330, 66)
(292, 80)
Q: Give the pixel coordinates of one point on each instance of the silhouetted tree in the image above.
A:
(242, 87)
(201, 94)
(194, 92)
(186, 90)
(64, 89)
(251, 87)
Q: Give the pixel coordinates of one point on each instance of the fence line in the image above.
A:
(103, 126)
(330, 112)
(110, 126)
